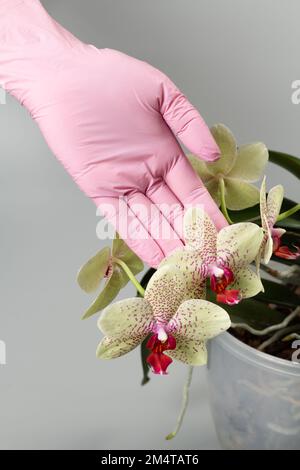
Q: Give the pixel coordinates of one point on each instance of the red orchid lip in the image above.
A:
(286, 253)
(229, 297)
(157, 360)
(219, 283)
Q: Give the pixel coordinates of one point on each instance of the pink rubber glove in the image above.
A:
(112, 121)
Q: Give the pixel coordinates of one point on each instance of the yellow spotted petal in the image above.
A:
(191, 352)
(125, 324)
(227, 144)
(240, 195)
(127, 318)
(184, 259)
(194, 323)
(200, 168)
(111, 348)
(263, 205)
(200, 233)
(274, 203)
(199, 319)
(267, 243)
(92, 273)
(239, 244)
(250, 163)
(189, 263)
(247, 282)
(166, 290)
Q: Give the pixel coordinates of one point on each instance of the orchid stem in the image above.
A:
(223, 203)
(131, 276)
(184, 405)
(288, 213)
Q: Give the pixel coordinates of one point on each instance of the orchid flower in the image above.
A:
(107, 264)
(235, 170)
(177, 324)
(269, 210)
(222, 257)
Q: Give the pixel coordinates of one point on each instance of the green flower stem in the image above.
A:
(131, 276)
(223, 203)
(288, 213)
(185, 402)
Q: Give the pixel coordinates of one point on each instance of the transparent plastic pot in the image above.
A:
(255, 397)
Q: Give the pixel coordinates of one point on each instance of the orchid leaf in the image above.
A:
(253, 214)
(145, 366)
(288, 162)
(277, 293)
(144, 351)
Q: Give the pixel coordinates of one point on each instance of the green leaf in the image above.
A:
(253, 214)
(254, 313)
(288, 162)
(92, 273)
(144, 351)
(246, 214)
(278, 294)
(144, 354)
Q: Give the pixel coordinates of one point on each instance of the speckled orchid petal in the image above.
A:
(269, 209)
(190, 352)
(247, 283)
(250, 163)
(274, 203)
(238, 245)
(111, 348)
(263, 204)
(166, 290)
(200, 233)
(239, 194)
(128, 318)
(194, 323)
(228, 147)
(125, 324)
(183, 259)
(267, 243)
(92, 272)
(189, 263)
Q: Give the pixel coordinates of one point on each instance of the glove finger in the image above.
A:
(190, 190)
(117, 212)
(154, 222)
(186, 122)
(168, 204)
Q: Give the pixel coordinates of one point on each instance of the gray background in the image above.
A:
(235, 60)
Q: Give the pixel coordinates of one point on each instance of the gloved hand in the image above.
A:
(112, 121)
